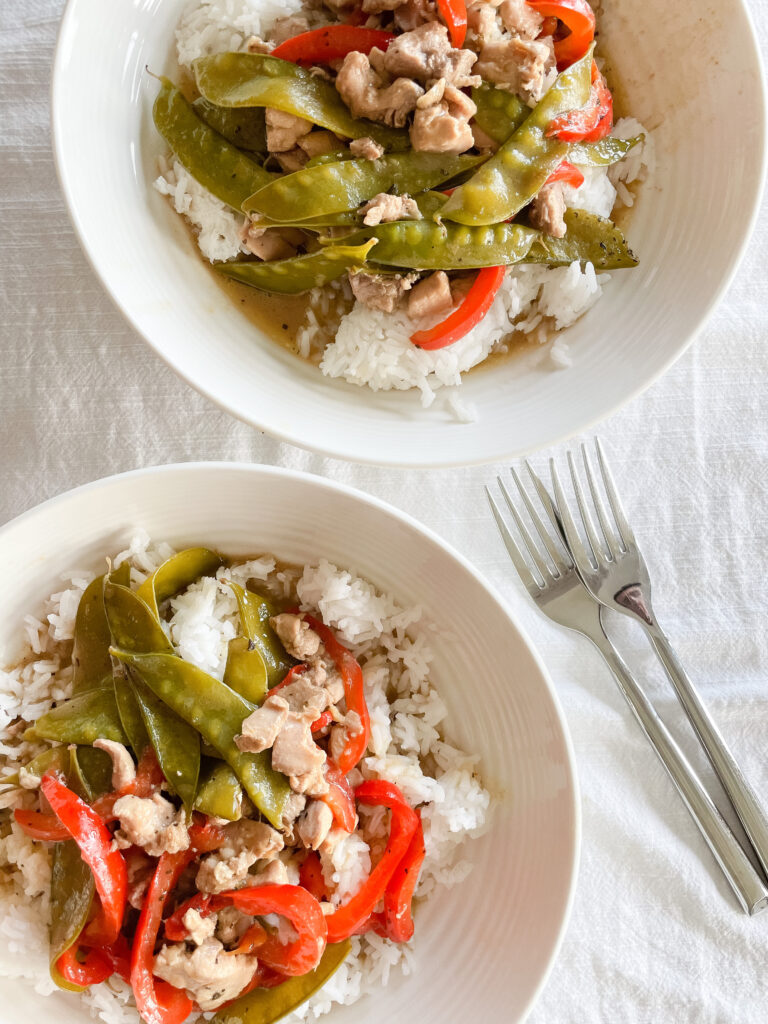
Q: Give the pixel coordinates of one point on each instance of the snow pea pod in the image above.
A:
(589, 239)
(130, 712)
(91, 663)
(255, 613)
(220, 793)
(343, 185)
(132, 624)
(510, 179)
(176, 743)
(499, 113)
(81, 719)
(245, 671)
(427, 245)
(176, 574)
(600, 154)
(266, 1005)
(299, 273)
(217, 713)
(257, 80)
(218, 165)
(244, 127)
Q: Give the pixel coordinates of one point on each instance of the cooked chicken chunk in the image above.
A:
(384, 208)
(286, 28)
(257, 45)
(293, 160)
(294, 805)
(269, 243)
(430, 296)
(231, 925)
(351, 726)
(366, 148)
(547, 211)
(152, 823)
(366, 94)
(377, 6)
(444, 127)
(378, 292)
(296, 635)
(414, 13)
(425, 54)
(261, 727)
(483, 141)
(304, 698)
(520, 66)
(482, 23)
(312, 783)
(140, 872)
(123, 768)
(520, 18)
(319, 143)
(284, 130)
(294, 752)
(199, 928)
(314, 825)
(209, 974)
(275, 873)
(246, 842)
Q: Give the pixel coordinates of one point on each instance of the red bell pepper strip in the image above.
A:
(454, 14)
(340, 797)
(320, 723)
(476, 304)
(589, 123)
(95, 842)
(355, 913)
(84, 967)
(331, 42)
(577, 16)
(157, 1002)
(41, 826)
(253, 937)
(300, 908)
(399, 893)
(354, 694)
(568, 174)
(204, 835)
(311, 876)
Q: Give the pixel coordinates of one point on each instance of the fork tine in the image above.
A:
(549, 508)
(525, 574)
(611, 540)
(559, 554)
(598, 549)
(625, 530)
(575, 543)
(530, 543)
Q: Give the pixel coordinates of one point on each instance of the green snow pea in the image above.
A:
(176, 574)
(257, 80)
(218, 165)
(246, 672)
(95, 769)
(590, 239)
(343, 185)
(91, 663)
(220, 793)
(244, 127)
(499, 113)
(267, 1005)
(600, 154)
(427, 245)
(429, 203)
(128, 708)
(132, 624)
(255, 613)
(81, 719)
(299, 273)
(217, 713)
(514, 174)
(53, 759)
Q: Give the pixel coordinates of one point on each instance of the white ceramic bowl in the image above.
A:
(484, 948)
(693, 77)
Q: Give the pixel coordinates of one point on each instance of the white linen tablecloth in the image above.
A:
(655, 934)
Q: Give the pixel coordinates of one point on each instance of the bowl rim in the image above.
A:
(393, 460)
(332, 486)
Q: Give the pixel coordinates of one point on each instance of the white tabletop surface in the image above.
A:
(655, 934)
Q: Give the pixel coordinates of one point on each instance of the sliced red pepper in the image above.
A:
(204, 835)
(149, 775)
(454, 14)
(300, 908)
(577, 16)
(41, 826)
(96, 848)
(157, 1002)
(354, 914)
(340, 797)
(589, 123)
(399, 893)
(252, 939)
(320, 723)
(331, 42)
(354, 694)
(311, 876)
(84, 967)
(568, 174)
(476, 304)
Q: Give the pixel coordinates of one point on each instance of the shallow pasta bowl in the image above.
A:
(703, 100)
(483, 949)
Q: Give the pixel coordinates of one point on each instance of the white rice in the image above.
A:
(407, 747)
(363, 346)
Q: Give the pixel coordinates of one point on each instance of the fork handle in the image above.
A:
(742, 795)
(737, 868)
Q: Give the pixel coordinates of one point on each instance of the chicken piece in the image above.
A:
(152, 823)
(231, 925)
(547, 211)
(482, 24)
(304, 699)
(520, 19)
(520, 66)
(384, 208)
(340, 6)
(350, 726)
(314, 825)
(312, 783)
(296, 636)
(123, 768)
(268, 243)
(414, 13)
(286, 28)
(366, 95)
(199, 928)
(294, 752)
(483, 140)
(140, 872)
(426, 55)
(430, 296)
(245, 842)
(209, 974)
(377, 6)
(275, 873)
(258, 45)
(294, 805)
(379, 292)
(319, 143)
(444, 127)
(284, 130)
(334, 686)
(260, 728)
(292, 161)
(366, 148)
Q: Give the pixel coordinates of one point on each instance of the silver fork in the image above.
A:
(614, 571)
(551, 579)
